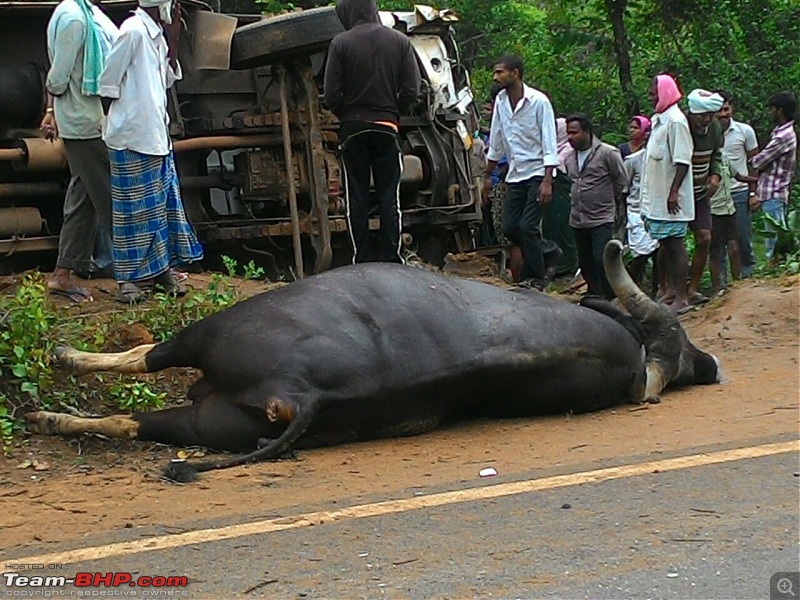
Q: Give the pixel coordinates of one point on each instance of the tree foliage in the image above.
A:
(572, 49)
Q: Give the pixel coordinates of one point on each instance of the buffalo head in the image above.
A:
(672, 360)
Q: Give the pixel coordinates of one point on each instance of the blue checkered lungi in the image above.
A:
(660, 229)
(151, 232)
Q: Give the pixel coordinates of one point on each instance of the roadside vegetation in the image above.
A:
(31, 326)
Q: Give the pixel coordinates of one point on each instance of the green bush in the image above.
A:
(136, 396)
(25, 346)
(31, 328)
(786, 259)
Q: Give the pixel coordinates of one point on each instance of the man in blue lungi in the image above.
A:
(151, 232)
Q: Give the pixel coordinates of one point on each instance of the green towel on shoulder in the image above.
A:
(93, 57)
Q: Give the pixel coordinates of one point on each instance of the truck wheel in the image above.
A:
(277, 38)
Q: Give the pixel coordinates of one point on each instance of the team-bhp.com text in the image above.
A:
(94, 584)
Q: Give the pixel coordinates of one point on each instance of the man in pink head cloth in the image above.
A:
(667, 198)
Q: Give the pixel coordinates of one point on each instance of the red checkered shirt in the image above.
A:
(776, 163)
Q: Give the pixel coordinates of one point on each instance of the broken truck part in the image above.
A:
(256, 151)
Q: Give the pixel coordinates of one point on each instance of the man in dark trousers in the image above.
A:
(370, 79)
(598, 180)
(524, 131)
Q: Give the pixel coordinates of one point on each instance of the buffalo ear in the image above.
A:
(605, 307)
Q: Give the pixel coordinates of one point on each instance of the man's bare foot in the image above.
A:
(680, 307)
(61, 284)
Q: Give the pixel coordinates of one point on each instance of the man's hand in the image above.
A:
(49, 126)
(545, 191)
(175, 26)
(673, 205)
(173, 32)
(486, 189)
(713, 184)
(754, 204)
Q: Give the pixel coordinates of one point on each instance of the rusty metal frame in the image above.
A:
(32, 244)
(31, 188)
(213, 232)
(321, 234)
(280, 72)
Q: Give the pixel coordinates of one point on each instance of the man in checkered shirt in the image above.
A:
(776, 162)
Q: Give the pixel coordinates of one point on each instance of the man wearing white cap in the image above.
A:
(706, 170)
(151, 232)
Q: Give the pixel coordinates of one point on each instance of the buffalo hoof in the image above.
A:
(653, 400)
(66, 358)
(42, 422)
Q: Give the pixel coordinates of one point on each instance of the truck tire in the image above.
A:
(277, 38)
(498, 198)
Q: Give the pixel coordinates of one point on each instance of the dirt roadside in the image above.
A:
(92, 485)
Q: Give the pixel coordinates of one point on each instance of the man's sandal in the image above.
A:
(168, 283)
(130, 293)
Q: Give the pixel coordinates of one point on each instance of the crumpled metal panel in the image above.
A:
(421, 15)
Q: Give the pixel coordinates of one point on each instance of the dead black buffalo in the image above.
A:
(382, 350)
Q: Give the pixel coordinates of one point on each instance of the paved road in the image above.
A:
(701, 523)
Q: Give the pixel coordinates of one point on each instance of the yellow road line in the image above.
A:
(204, 536)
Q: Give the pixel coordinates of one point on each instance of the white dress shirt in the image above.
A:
(137, 76)
(670, 145)
(525, 135)
(739, 140)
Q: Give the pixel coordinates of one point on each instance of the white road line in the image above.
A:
(204, 536)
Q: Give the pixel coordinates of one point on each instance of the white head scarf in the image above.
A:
(164, 8)
(702, 101)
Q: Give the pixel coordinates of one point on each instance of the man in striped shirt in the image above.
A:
(706, 169)
(776, 162)
(740, 146)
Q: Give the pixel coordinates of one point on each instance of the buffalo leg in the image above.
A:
(50, 423)
(199, 390)
(130, 361)
(211, 422)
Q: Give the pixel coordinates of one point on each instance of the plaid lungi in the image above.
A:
(660, 229)
(151, 232)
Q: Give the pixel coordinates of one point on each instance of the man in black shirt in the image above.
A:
(371, 78)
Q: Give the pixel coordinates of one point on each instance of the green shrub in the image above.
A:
(136, 396)
(786, 259)
(25, 346)
(30, 329)
(7, 425)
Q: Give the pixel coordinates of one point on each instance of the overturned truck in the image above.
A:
(257, 151)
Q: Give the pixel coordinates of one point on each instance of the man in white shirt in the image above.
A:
(74, 112)
(740, 146)
(151, 232)
(523, 130)
(667, 197)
